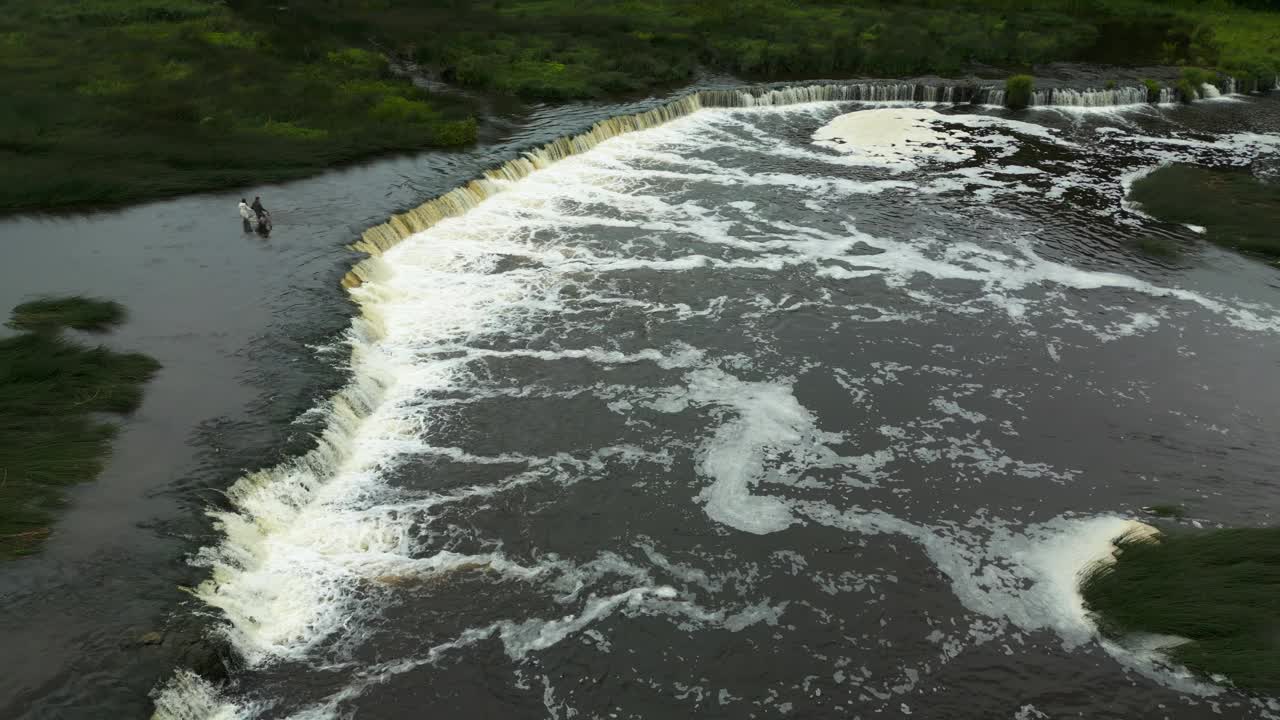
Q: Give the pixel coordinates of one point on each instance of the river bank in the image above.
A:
(123, 102)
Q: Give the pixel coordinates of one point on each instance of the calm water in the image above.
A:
(718, 419)
(712, 420)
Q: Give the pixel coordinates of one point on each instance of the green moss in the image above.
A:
(1236, 209)
(50, 390)
(1218, 589)
(1018, 91)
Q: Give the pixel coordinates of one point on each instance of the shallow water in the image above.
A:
(727, 418)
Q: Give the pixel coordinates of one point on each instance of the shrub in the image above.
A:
(1018, 91)
(1153, 90)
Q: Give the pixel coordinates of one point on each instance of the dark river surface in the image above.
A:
(753, 414)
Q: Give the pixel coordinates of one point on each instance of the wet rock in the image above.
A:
(151, 638)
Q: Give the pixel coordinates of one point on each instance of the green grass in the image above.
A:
(1190, 85)
(1153, 90)
(1236, 209)
(1018, 90)
(1219, 589)
(110, 101)
(76, 312)
(51, 391)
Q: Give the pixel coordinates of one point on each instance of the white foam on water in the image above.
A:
(187, 696)
(902, 139)
(319, 545)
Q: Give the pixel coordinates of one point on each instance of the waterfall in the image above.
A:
(380, 238)
(1208, 91)
(1064, 97)
(1168, 95)
(1229, 86)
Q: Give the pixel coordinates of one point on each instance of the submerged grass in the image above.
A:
(1236, 208)
(76, 312)
(50, 390)
(1218, 589)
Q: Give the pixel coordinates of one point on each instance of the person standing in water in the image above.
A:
(257, 206)
(245, 215)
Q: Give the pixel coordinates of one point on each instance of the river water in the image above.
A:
(811, 410)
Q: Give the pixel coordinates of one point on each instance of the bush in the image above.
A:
(1192, 80)
(1018, 91)
(1153, 90)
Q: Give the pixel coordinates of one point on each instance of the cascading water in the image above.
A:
(1090, 98)
(738, 405)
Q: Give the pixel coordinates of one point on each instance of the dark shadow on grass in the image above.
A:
(50, 390)
(1219, 589)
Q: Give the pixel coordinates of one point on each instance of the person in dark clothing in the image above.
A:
(257, 206)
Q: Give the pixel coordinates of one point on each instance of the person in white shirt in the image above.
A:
(245, 214)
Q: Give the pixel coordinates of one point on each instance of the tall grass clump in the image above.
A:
(1191, 82)
(52, 391)
(1219, 590)
(1018, 90)
(1153, 90)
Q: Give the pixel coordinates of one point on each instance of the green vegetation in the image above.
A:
(80, 313)
(50, 390)
(1190, 85)
(1219, 589)
(1153, 90)
(1236, 209)
(1018, 90)
(108, 101)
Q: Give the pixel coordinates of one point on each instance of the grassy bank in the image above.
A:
(1236, 209)
(117, 100)
(52, 391)
(1218, 589)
